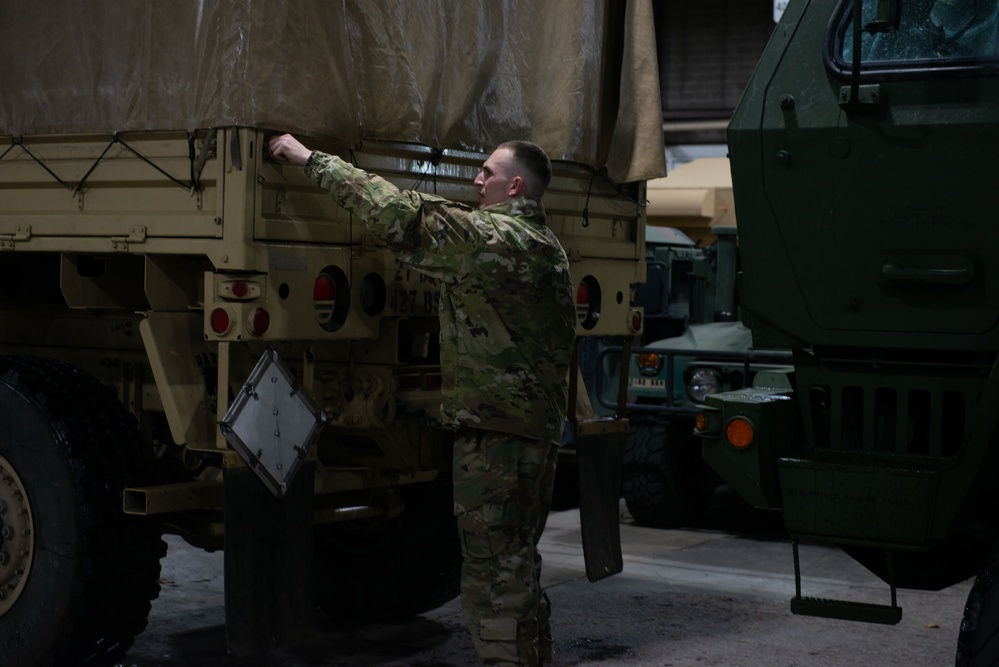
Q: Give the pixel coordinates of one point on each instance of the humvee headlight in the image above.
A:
(650, 364)
(703, 382)
(739, 432)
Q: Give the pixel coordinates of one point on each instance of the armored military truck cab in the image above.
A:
(863, 177)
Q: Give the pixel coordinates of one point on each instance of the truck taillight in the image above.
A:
(221, 321)
(260, 322)
(331, 298)
(324, 298)
(239, 290)
(588, 302)
(635, 323)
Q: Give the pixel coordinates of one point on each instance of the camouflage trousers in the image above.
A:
(502, 494)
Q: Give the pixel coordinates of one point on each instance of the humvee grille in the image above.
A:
(864, 407)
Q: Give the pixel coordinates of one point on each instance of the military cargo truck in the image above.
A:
(195, 340)
(863, 180)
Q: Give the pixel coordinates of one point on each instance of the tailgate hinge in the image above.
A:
(137, 235)
(20, 234)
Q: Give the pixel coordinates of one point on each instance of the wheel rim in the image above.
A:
(16, 536)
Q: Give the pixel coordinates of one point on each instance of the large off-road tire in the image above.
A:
(978, 640)
(664, 481)
(77, 575)
(391, 569)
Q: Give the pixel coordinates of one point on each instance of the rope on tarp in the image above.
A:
(617, 188)
(19, 143)
(192, 186)
(117, 139)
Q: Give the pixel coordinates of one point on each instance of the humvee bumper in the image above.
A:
(743, 434)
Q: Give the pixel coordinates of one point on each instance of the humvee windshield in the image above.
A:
(928, 30)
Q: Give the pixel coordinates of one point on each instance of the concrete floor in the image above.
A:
(713, 595)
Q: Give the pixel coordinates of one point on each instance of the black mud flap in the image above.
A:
(269, 591)
(600, 444)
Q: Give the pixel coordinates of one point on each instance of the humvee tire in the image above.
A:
(662, 476)
(390, 569)
(78, 574)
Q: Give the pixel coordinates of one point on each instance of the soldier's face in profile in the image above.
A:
(496, 183)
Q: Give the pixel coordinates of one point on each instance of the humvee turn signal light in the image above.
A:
(739, 432)
(650, 363)
(701, 422)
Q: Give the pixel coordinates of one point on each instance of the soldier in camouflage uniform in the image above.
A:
(507, 318)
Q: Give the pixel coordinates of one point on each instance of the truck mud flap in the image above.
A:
(600, 447)
(269, 592)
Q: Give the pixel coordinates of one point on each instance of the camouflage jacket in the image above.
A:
(507, 311)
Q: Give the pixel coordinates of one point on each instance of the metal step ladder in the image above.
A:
(844, 609)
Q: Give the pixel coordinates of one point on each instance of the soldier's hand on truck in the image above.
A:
(288, 148)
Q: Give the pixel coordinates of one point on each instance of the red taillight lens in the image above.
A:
(588, 302)
(324, 298)
(220, 321)
(240, 288)
(260, 322)
(324, 289)
(636, 321)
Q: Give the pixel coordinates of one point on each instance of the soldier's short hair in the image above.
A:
(535, 162)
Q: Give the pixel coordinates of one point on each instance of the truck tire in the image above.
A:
(77, 573)
(978, 639)
(391, 569)
(662, 478)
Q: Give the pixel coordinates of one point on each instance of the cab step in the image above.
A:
(845, 610)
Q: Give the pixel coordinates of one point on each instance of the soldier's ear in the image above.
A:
(516, 187)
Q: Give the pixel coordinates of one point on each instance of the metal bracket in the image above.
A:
(20, 234)
(862, 98)
(137, 235)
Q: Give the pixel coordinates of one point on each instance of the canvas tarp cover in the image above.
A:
(577, 77)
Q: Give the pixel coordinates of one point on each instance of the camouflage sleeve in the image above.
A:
(436, 235)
